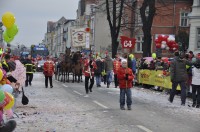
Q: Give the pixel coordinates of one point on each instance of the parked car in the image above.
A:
(40, 65)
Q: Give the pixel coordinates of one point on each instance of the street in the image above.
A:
(64, 108)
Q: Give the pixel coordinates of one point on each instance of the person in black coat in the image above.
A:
(97, 72)
(9, 66)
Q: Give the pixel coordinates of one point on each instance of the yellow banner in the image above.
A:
(155, 78)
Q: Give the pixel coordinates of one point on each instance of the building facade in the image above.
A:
(171, 17)
(194, 18)
(58, 36)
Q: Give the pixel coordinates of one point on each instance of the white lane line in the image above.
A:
(77, 93)
(144, 128)
(65, 85)
(96, 102)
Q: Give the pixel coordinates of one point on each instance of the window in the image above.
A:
(198, 38)
(184, 19)
(139, 41)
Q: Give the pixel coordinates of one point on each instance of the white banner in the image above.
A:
(87, 40)
(78, 37)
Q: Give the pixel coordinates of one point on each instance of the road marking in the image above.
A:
(65, 85)
(144, 128)
(96, 102)
(56, 80)
(77, 93)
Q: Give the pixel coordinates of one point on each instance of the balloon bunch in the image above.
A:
(7, 100)
(166, 42)
(8, 20)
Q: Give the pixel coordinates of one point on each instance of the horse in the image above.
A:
(77, 67)
(71, 63)
(65, 66)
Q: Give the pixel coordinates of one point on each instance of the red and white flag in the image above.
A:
(127, 42)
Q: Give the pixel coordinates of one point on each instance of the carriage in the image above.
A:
(71, 63)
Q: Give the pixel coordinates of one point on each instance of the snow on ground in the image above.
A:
(53, 110)
(160, 99)
(41, 115)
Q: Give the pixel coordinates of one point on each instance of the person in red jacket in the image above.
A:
(89, 67)
(116, 66)
(125, 77)
(48, 72)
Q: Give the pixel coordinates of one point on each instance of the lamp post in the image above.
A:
(1, 34)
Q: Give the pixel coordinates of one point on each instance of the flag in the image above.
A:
(127, 42)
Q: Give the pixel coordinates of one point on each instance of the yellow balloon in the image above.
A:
(11, 103)
(1, 74)
(8, 19)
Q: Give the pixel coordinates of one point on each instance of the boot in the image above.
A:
(193, 105)
(122, 108)
(171, 101)
(129, 107)
(197, 106)
(90, 90)
(9, 126)
(108, 85)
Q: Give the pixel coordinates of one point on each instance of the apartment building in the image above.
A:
(58, 36)
(194, 20)
(171, 17)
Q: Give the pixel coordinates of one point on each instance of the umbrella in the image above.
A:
(19, 73)
(149, 59)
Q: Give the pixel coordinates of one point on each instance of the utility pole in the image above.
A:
(1, 34)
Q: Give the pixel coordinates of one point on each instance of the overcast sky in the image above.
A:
(32, 16)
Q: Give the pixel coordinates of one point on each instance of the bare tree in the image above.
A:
(114, 16)
(147, 12)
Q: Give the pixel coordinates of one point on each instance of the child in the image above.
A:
(125, 76)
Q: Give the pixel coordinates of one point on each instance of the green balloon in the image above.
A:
(154, 55)
(11, 32)
(2, 96)
(7, 38)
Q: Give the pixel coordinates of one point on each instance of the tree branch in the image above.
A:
(108, 16)
(120, 17)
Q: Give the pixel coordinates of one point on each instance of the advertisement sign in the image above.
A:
(78, 37)
(155, 78)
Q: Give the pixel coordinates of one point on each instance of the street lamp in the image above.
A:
(1, 34)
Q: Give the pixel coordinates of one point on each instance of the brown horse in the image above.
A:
(65, 66)
(71, 65)
(77, 66)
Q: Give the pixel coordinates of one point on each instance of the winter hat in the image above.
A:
(12, 65)
(124, 63)
(124, 60)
